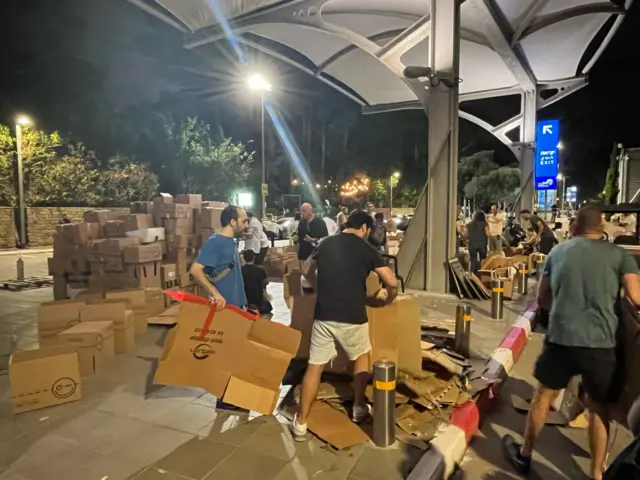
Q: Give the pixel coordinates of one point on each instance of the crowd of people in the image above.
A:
(579, 288)
(335, 263)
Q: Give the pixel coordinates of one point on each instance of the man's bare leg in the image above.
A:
(309, 391)
(537, 417)
(598, 437)
(520, 455)
(360, 379)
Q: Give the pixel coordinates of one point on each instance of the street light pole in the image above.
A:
(258, 83)
(395, 175)
(22, 120)
(264, 200)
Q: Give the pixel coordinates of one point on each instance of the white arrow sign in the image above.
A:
(546, 129)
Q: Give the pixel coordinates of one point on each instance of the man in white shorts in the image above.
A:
(343, 263)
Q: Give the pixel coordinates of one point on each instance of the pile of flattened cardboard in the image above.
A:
(429, 381)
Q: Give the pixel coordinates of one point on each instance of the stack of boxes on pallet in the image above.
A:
(115, 268)
(152, 247)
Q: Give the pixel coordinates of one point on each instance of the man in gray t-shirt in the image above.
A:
(580, 286)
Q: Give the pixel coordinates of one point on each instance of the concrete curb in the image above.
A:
(26, 251)
(449, 446)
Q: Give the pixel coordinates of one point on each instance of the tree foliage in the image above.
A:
(499, 185)
(58, 173)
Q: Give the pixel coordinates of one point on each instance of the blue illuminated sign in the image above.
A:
(546, 167)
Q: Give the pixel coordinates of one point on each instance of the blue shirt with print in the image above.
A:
(216, 255)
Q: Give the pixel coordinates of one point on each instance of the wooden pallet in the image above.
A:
(16, 285)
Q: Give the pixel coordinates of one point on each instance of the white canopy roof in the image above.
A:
(507, 46)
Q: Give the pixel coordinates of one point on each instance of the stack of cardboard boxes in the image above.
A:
(277, 259)
(152, 247)
(115, 267)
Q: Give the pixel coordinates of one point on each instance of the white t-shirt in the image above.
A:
(495, 223)
(332, 227)
(264, 240)
(252, 241)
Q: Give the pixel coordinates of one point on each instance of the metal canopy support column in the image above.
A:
(442, 189)
(525, 150)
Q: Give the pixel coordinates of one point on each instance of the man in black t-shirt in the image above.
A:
(545, 239)
(255, 282)
(343, 263)
(310, 231)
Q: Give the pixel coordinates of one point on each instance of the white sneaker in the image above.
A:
(360, 413)
(298, 430)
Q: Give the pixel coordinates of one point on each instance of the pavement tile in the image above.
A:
(386, 464)
(274, 440)
(189, 418)
(184, 394)
(152, 444)
(100, 430)
(244, 465)
(196, 458)
(207, 400)
(134, 405)
(122, 467)
(317, 460)
(157, 474)
(233, 428)
(44, 455)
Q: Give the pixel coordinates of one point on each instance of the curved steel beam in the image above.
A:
(283, 58)
(545, 21)
(159, 15)
(498, 32)
(526, 19)
(605, 43)
(467, 35)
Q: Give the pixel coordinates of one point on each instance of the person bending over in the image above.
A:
(339, 268)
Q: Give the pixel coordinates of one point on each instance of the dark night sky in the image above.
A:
(67, 61)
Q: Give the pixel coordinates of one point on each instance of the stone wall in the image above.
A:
(7, 229)
(42, 222)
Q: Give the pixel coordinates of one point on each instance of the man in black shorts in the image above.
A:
(580, 286)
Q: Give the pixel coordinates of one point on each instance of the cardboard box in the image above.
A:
(43, 378)
(206, 234)
(95, 344)
(58, 266)
(163, 199)
(98, 216)
(144, 275)
(394, 331)
(56, 317)
(240, 360)
(136, 300)
(143, 253)
(59, 287)
(185, 279)
(291, 284)
(139, 221)
(210, 218)
(149, 235)
(78, 233)
(123, 321)
(113, 263)
(508, 277)
(178, 226)
(155, 299)
(78, 265)
(142, 207)
(114, 246)
(184, 241)
(168, 275)
(189, 199)
(114, 229)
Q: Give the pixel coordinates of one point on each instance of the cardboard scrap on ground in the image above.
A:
(334, 427)
(168, 318)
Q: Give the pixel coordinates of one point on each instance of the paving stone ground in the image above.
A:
(126, 428)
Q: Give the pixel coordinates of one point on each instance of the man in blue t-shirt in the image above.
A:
(217, 268)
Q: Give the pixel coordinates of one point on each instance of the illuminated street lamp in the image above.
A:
(395, 175)
(21, 121)
(258, 83)
(562, 178)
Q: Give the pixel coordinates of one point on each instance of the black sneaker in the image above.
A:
(511, 450)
